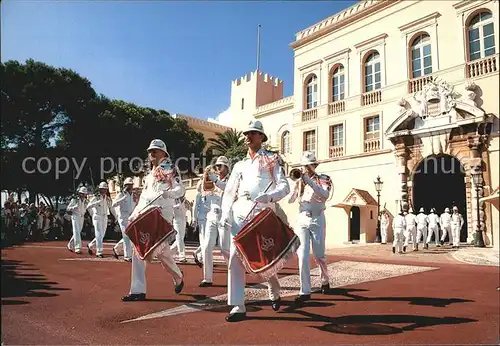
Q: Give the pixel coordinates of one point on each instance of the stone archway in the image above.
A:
(442, 122)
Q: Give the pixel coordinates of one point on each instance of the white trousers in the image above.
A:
(138, 280)
(76, 239)
(100, 224)
(127, 245)
(433, 229)
(311, 231)
(421, 233)
(398, 239)
(455, 231)
(210, 238)
(201, 233)
(179, 224)
(383, 233)
(236, 275)
(447, 230)
(411, 232)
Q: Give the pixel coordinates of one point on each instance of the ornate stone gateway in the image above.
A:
(436, 123)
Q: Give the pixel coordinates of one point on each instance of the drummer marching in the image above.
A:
(313, 190)
(161, 187)
(259, 178)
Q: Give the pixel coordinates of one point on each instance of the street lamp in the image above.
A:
(378, 187)
(477, 178)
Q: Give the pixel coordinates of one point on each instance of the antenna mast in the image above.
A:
(258, 48)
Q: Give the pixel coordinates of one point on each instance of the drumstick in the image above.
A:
(255, 203)
(149, 203)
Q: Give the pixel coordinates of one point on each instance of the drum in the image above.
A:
(150, 233)
(265, 244)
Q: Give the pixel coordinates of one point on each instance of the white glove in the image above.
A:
(212, 177)
(262, 198)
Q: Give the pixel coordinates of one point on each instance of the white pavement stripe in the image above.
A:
(342, 273)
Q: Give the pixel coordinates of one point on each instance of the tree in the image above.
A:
(229, 143)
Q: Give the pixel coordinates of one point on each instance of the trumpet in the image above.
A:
(208, 184)
(295, 174)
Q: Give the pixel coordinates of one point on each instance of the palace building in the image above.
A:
(402, 90)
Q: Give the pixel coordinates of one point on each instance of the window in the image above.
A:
(338, 84)
(311, 92)
(242, 103)
(481, 36)
(285, 143)
(372, 72)
(310, 141)
(372, 126)
(337, 135)
(421, 63)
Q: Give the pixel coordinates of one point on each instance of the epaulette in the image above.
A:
(276, 156)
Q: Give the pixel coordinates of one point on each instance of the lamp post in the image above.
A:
(477, 178)
(378, 187)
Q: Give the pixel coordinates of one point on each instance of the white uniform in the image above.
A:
(200, 210)
(310, 227)
(384, 225)
(214, 201)
(125, 205)
(422, 227)
(411, 229)
(161, 179)
(99, 207)
(457, 221)
(77, 207)
(179, 224)
(249, 179)
(433, 220)
(398, 228)
(445, 222)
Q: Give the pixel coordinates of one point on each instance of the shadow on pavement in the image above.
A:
(16, 284)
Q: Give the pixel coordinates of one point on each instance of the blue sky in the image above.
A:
(177, 56)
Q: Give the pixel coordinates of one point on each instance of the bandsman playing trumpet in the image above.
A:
(313, 191)
(215, 182)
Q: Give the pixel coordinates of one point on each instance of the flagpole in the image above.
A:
(258, 48)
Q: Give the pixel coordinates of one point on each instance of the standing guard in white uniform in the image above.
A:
(77, 208)
(398, 228)
(433, 220)
(163, 179)
(445, 223)
(313, 190)
(100, 205)
(180, 226)
(421, 227)
(200, 210)
(214, 200)
(384, 226)
(457, 222)
(125, 204)
(411, 230)
(247, 184)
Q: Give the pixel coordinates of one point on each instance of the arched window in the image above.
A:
(372, 72)
(311, 92)
(421, 62)
(338, 84)
(285, 143)
(481, 36)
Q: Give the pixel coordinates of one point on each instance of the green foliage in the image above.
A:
(229, 143)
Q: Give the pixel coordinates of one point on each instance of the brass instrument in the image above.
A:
(295, 174)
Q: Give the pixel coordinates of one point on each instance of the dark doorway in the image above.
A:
(439, 182)
(354, 229)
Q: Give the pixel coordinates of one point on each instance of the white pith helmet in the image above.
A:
(158, 144)
(455, 208)
(410, 210)
(128, 181)
(422, 210)
(308, 158)
(256, 125)
(446, 210)
(103, 185)
(222, 160)
(83, 190)
(433, 210)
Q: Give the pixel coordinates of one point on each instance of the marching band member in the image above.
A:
(457, 221)
(99, 205)
(421, 226)
(433, 220)
(411, 230)
(246, 185)
(214, 199)
(180, 226)
(313, 190)
(77, 208)
(200, 210)
(163, 178)
(445, 222)
(384, 225)
(125, 205)
(398, 227)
